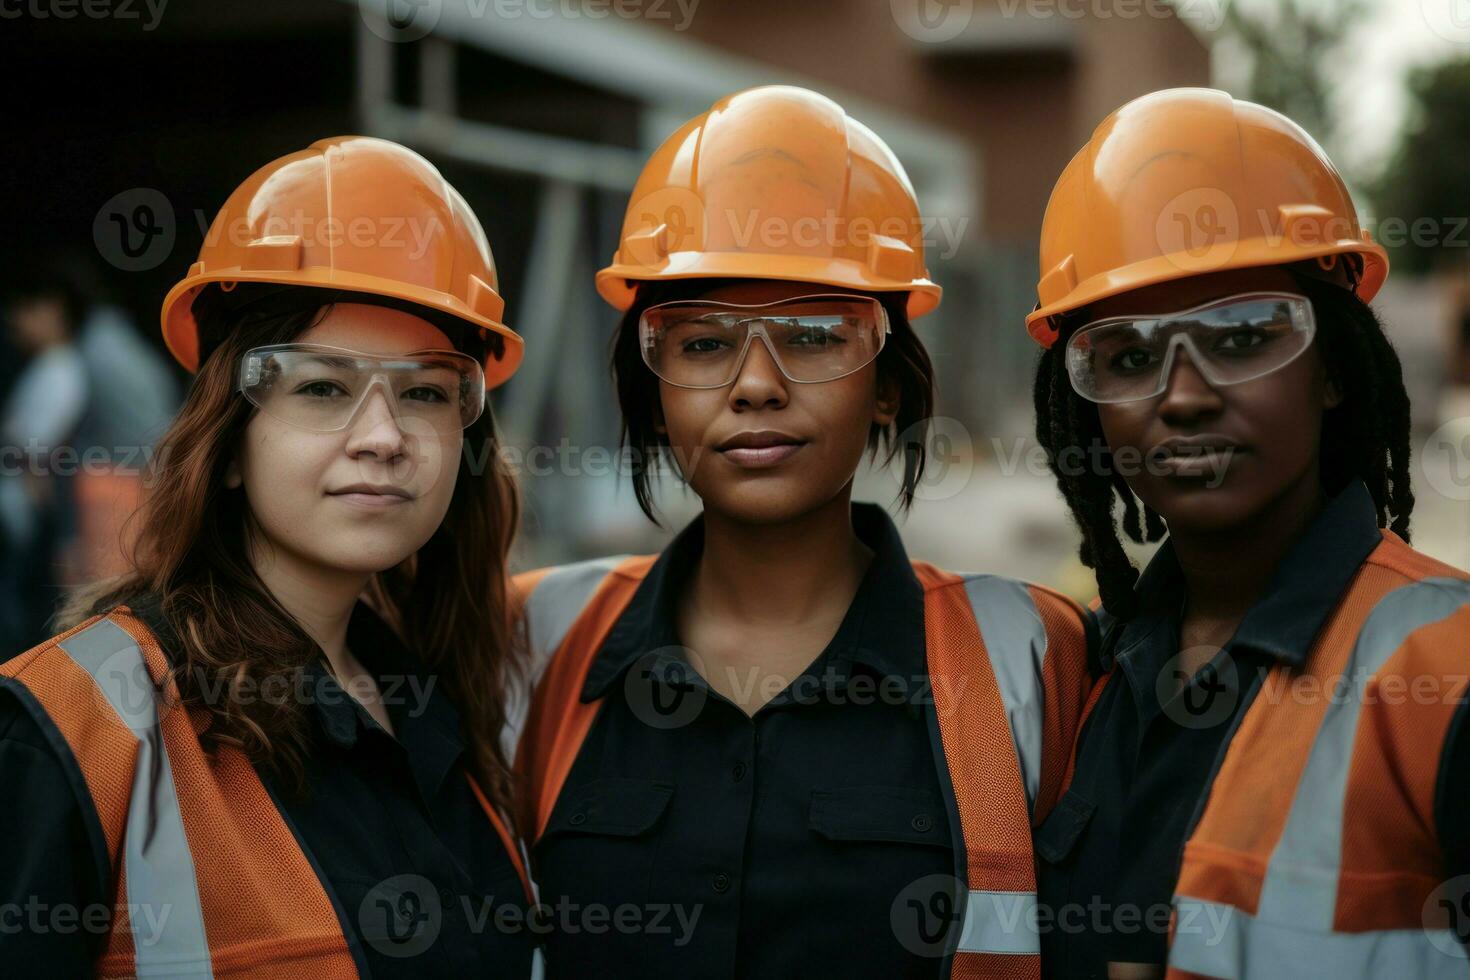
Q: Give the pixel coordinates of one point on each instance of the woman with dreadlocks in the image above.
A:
(1270, 777)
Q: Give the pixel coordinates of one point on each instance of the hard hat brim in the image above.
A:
(1251, 253)
(618, 282)
(181, 332)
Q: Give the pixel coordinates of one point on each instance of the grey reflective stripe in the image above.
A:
(1015, 641)
(1221, 941)
(1301, 880)
(1293, 925)
(1000, 922)
(559, 599)
(163, 896)
(551, 609)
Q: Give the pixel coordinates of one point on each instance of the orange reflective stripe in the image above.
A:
(983, 730)
(985, 774)
(506, 839)
(558, 719)
(1317, 844)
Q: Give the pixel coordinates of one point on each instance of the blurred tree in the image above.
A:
(1426, 179)
(1289, 45)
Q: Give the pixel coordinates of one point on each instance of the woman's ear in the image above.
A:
(885, 409)
(233, 479)
(1331, 393)
(659, 425)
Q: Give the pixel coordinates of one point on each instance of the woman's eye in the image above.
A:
(1135, 359)
(703, 345)
(425, 394)
(1237, 340)
(815, 338)
(321, 389)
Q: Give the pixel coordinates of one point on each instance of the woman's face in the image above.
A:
(1269, 428)
(763, 449)
(364, 498)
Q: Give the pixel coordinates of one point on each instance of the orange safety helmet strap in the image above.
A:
(351, 213)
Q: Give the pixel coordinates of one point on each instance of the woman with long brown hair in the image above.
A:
(273, 747)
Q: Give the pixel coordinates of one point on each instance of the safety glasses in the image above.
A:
(1233, 339)
(322, 389)
(701, 344)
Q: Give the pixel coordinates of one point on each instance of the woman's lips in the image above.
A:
(754, 458)
(371, 501)
(1196, 461)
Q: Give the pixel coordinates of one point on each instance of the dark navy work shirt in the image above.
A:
(386, 820)
(1110, 852)
(694, 841)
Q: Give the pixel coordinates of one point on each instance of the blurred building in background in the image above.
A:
(541, 112)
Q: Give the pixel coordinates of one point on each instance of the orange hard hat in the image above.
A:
(352, 213)
(1188, 181)
(774, 182)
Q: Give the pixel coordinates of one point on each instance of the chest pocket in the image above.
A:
(892, 814)
(611, 807)
(1059, 833)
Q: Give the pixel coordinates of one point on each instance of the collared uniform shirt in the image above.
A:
(1109, 855)
(384, 816)
(694, 841)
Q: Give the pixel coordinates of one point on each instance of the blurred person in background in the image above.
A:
(42, 411)
(272, 746)
(705, 745)
(1271, 779)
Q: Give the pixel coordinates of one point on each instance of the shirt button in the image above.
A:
(921, 822)
(721, 882)
(738, 771)
(577, 819)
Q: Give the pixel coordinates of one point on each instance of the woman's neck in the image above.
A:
(766, 599)
(320, 599)
(1225, 571)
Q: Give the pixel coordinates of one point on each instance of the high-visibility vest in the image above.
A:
(207, 878)
(1314, 848)
(1008, 669)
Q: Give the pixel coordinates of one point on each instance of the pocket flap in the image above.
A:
(613, 806)
(1063, 827)
(880, 813)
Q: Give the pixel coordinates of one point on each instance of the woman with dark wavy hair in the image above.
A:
(273, 746)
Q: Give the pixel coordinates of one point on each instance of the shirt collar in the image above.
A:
(425, 721)
(882, 631)
(1303, 591)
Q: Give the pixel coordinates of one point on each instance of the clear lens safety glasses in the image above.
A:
(323, 388)
(702, 344)
(1234, 339)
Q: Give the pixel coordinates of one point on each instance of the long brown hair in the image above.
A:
(448, 603)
